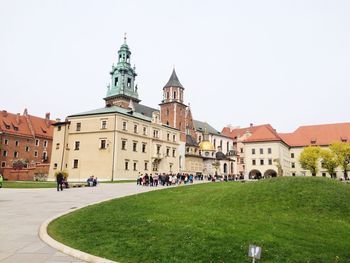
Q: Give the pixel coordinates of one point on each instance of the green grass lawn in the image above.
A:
(294, 219)
(28, 184)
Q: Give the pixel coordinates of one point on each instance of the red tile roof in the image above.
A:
(323, 134)
(21, 125)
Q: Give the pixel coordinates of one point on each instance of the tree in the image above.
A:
(309, 159)
(277, 161)
(342, 153)
(329, 161)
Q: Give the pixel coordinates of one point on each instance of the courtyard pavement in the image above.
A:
(22, 211)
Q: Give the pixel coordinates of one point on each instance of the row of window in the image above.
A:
(103, 145)
(37, 142)
(16, 154)
(261, 151)
(262, 162)
(156, 133)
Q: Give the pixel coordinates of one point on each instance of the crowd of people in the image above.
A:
(165, 179)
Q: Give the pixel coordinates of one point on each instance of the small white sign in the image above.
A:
(254, 251)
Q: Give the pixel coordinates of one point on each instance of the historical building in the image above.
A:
(262, 152)
(118, 141)
(25, 143)
(126, 138)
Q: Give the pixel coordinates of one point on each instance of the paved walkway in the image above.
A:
(22, 211)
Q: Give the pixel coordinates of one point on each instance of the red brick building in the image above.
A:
(25, 143)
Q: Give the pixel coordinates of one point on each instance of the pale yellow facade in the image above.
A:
(113, 146)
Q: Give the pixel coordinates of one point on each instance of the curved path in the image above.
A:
(22, 211)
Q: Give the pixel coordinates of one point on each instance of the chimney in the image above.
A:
(251, 125)
(17, 118)
(25, 112)
(47, 119)
(4, 113)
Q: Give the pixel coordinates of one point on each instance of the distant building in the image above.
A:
(262, 152)
(26, 143)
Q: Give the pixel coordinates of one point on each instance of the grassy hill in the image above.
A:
(294, 219)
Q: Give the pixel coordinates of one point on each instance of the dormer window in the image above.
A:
(313, 141)
(344, 139)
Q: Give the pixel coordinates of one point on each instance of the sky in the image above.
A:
(286, 63)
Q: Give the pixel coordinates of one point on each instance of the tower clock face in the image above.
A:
(206, 153)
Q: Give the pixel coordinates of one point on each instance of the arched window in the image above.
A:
(174, 97)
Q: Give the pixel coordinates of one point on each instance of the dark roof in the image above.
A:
(144, 110)
(173, 81)
(190, 141)
(220, 156)
(202, 126)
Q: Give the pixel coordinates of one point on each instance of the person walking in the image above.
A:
(59, 180)
(1, 180)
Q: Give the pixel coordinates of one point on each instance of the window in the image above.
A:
(253, 151)
(167, 112)
(129, 83)
(75, 163)
(57, 145)
(59, 128)
(35, 153)
(155, 133)
(103, 144)
(135, 166)
(27, 149)
(116, 79)
(15, 154)
(324, 174)
(144, 147)
(126, 165)
(144, 130)
(3, 164)
(123, 144)
(261, 151)
(6, 141)
(293, 174)
(269, 150)
(55, 166)
(146, 166)
(292, 155)
(174, 152)
(167, 151)
(168, 136)
(174, 95)
(241, 150)
(261, 161)
(44, 156)
(242, 160)
(293, 165)
(77, 146)
(37, 142)
(200, 138)
(4, 153)
(270, 161)
(214, 143)
(158, 149)
(174, 138)
(78, 127)
(134, 146)
(124, 126)
(103, 124)
(45, 143)
(253, 162)
(16, 143)
(135, 128)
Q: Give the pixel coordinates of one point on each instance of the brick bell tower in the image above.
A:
(173, 111)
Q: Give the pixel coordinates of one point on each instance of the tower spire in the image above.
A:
(125, 38)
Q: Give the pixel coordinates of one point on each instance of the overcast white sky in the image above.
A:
(286, 63)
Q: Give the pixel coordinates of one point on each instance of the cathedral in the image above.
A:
(126, 138)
